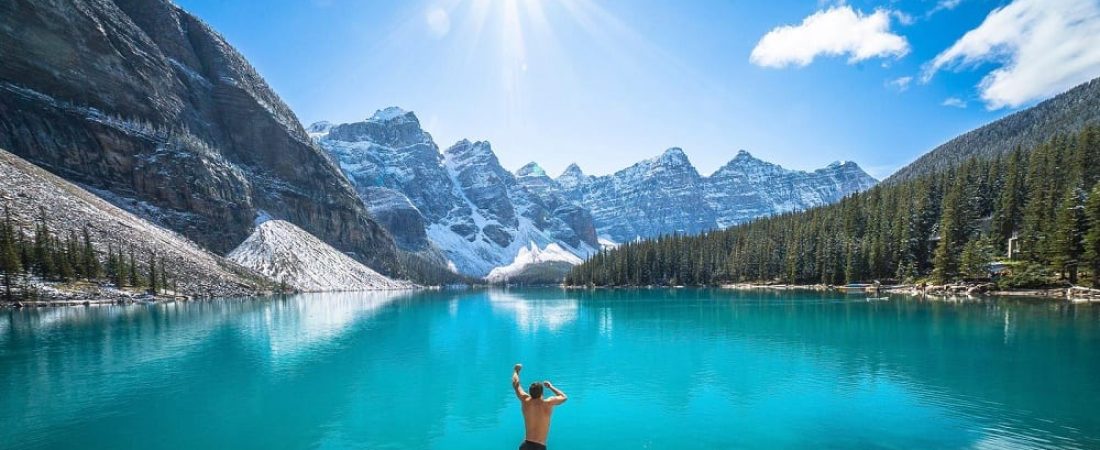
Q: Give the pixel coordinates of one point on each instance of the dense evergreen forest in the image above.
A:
(1036, 210)
(49, 257)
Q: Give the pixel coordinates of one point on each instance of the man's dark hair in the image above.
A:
(536, 390)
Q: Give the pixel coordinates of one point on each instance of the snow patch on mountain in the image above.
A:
(288, 254)
(530, 255)
(389, 113)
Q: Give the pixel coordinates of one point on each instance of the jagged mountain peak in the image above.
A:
(674, 155)
(573, 170)
(391, 127)
(745, 162)
(465, 150)
(321, 126)
(672, 161)
(847, 165)
(745, 155)
(531, 169)
(392, 113)
(572, 177)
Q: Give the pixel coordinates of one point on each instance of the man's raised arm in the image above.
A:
(515, 382)
(559, 396)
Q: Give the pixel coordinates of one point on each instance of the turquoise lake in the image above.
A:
(644, 369)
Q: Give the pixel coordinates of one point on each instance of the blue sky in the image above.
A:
(607, 83)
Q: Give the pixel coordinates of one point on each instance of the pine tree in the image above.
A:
(1007, 214)
(132, 270)
(1066, 245)
(952, 237)
(153, 278)
(1092, 237)
(976, 256)
(62, 250)
(43, 254)
(122, 270)
(111, 267)
(92, 268)
(9, 254)
(26, 252)
(163, 275)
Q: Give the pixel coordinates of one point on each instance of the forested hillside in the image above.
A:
(944, 225)
(1066, 113)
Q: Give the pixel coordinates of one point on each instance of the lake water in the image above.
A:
(656, 369)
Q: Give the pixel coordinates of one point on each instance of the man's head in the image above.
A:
(535, 390)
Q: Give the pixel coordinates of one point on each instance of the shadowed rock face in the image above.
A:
(150, 107)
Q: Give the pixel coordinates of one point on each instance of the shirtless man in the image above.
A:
(536, 410)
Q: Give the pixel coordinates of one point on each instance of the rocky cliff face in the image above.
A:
(460, 202)
(667, 195)
(144, 102)
(746, 188)
(656, 196)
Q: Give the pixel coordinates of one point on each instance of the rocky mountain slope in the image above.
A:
(31, 193)
(665, 195)
(287, 254)
(1066, 113)
(150, 106)
(459, 202)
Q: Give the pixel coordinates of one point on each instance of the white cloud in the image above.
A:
(903, 18)
(900, 84)
(944, 5)
(438, 21)
(954, 102)
(836, 31)
(1043, 47)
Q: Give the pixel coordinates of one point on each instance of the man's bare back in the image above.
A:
(536, 410)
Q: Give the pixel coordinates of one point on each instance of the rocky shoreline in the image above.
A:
(86, 294)
(957, 290)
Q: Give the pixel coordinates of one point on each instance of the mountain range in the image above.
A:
(460, 203)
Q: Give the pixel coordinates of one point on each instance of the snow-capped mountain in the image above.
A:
(531, 256)
(288, 254)
(460, 203)
(665, 195)
(463, 204)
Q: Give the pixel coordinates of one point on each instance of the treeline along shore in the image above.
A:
(1025, 219)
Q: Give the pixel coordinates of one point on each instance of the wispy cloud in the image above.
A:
(837, 31)
(900, 84)
(954, 102)
(943, 5)
(1043, 47)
